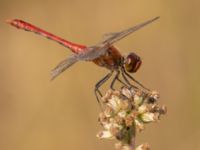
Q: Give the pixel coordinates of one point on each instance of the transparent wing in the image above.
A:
(93, 52)
(90, 54)
(109, 35)
(114, 37)
(63, 65)
(111, 38)
(98, 50)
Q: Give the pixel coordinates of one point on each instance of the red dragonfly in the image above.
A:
(103, 54)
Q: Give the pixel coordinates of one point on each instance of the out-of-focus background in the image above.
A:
(36, 114)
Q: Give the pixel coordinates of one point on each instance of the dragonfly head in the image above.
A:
(132, 62)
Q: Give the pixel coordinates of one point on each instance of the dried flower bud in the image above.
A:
(108, 112)
(134, 114)
(138, 100)
(159, 109)
(107, 95)
(116, 93)
(149, 117)
(143, 147)
(122, 114)
(102, 117)
(119, 120)
(114, 102)
(120, 146)
(114, 130)
(129, 121)
(163, 110)
(143, 108)
(126, 92)
(153, 97)
(125, 105)
(139, 125)
(105, 135)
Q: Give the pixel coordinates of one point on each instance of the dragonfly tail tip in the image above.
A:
(158, 17)
(53, 75)
(8, 21)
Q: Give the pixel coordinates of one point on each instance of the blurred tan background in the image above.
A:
(36, 114)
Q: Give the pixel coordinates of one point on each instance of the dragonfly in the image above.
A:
(103, 54)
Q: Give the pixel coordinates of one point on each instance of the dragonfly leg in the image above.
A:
(124, 73)
(99, 84)
(127, 81)
(114, 79)
(118, 79)
(121, 81)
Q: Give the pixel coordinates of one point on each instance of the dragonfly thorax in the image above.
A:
(132, 62)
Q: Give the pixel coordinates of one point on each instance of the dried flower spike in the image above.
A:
(127, 111)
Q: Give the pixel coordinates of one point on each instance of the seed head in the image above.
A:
(127, 111)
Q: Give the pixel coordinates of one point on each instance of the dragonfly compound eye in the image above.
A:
(132, 62)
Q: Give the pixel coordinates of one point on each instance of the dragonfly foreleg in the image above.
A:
(124, 73)
(99, 84)
(116, 77)
(127, 81)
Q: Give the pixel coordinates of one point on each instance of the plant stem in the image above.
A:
(132, 143)
(132, 135)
